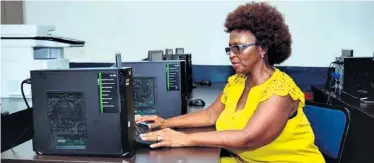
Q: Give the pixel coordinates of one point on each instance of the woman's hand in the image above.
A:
(167, 138)
(157, 122)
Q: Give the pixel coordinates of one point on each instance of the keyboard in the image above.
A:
(142, 128)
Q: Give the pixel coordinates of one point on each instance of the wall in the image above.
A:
(12, 12)
(320, 29)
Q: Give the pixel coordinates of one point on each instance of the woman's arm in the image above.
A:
(201, 118)
(265, 126)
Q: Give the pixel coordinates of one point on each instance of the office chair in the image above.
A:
(330, 126)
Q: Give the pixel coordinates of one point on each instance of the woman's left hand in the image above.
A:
(166, 138)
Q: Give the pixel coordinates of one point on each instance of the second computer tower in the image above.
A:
(187, 67)
(158, 88)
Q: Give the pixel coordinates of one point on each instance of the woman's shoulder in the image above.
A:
(281, 78)
(236, 79)
(280, 84)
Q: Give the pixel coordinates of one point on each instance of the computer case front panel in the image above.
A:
(79, 112)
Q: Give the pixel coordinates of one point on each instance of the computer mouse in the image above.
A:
(197, 102)
(206, 82)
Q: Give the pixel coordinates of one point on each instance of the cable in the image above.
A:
(332, 65)
(15, 142)
(328, 97)
(350, 94)
(330, 92)
(328, 79)
(26, 81)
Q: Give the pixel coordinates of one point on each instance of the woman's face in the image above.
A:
(245, 57)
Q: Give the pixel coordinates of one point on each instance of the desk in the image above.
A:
(24, 152)
(360, 139)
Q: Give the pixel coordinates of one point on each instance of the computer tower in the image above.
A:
(83, 111)
(359, 76)
(158, 88)
(188, 67)
(183, 76)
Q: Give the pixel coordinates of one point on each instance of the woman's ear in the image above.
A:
(263, 52)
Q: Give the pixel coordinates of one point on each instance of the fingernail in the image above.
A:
(141, 135)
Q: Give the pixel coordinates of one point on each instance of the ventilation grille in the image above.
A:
(67, 120)
(144, 92)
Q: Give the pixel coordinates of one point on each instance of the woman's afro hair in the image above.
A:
(268, 26)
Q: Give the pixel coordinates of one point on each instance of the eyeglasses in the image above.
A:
(236, 49)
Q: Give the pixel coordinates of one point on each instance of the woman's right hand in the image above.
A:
(154, 121)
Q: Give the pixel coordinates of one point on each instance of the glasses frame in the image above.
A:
(239, 47)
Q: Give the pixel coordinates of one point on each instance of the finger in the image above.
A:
(154, 133)
(150, 138)
(140, 118)
(166, 130)
(148, 134)
(158, 132)
(160, 144)
(146, 118)
(137, 116)
(153, 125)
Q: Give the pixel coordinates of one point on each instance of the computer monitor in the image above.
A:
(347, 53)
(358, 78)
(155, 55)
(158, 88)
(83, 111)
(179, 50)
(168, 51)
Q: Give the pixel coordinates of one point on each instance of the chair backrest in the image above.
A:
(330, 125)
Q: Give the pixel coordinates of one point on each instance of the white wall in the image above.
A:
(320, 29)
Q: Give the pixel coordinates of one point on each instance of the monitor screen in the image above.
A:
(144, 92)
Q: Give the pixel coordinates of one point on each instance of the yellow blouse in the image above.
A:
(296, 142)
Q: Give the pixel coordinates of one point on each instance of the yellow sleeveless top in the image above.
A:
(296, 142)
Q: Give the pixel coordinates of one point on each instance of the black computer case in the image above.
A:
(158, 88)
(358, 78)
(188, 69)
(83, 111)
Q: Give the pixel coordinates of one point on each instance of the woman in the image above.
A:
(259, 115)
